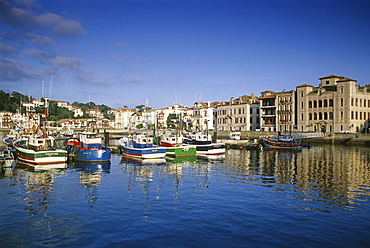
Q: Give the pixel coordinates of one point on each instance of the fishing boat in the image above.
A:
(39, 150)
(88, 149)
(38, 147)
(281, 141)
(175, 147)
(204, 145)
(140, 146)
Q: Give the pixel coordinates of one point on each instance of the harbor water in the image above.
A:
(317, 197)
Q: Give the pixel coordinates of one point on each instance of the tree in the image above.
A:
(142, 108)
(172, 121)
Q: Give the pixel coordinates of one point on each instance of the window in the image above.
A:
(325, 103)
(310, 116)
(315, 104)
(320, 104)
(341, 102)
(327, 82)
(309, 104)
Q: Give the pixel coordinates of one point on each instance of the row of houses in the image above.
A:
(337, 104)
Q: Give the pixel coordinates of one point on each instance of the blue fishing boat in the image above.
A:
(88, 149)
(141, 146)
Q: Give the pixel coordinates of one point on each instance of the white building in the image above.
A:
(240, 114)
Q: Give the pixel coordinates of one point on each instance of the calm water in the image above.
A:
(317, 197)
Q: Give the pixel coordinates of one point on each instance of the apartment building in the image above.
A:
(203, 116)
(268, 107)
(338, 104)
(124, 117)
(286, 111)
(240, 114)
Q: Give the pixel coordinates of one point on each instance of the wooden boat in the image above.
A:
(88, 149)
(204, 145)
(281, 141)
(141, 146)
(39, 150)
(174, 146)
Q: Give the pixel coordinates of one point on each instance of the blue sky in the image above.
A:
(120, 53)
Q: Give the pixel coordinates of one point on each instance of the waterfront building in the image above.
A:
(286, 111)
(203, 116)
(268, 107)
(338, 104)
(240, 114)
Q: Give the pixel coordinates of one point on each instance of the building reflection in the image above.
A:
(336, 175)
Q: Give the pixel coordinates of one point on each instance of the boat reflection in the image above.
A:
(39, 183)
(143, 162)
(181, 160)
(93, 166)
(40, 167)
(91, 172)
(212, 157)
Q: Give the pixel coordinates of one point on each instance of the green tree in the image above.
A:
(142, 108)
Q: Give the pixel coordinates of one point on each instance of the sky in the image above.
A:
(165, 52)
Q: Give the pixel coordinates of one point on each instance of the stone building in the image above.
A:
(338, 104)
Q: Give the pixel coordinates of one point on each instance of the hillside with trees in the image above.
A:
(13, 102)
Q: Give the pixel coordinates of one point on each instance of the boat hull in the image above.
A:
(211, 149)
(41, 157)
(150, 152)
(181, 151)
(93, 155)
(281, 144)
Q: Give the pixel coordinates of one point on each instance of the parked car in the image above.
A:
(345, 131)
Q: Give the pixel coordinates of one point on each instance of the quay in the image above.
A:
(249, 139)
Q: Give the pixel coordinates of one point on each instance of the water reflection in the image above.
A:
(328, 175)
(90, 176)
(38, 182)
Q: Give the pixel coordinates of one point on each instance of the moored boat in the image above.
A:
(281, 142)
(89, 149)
(204, 145)
(174, 146)
(141, 146)
(39, 150)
